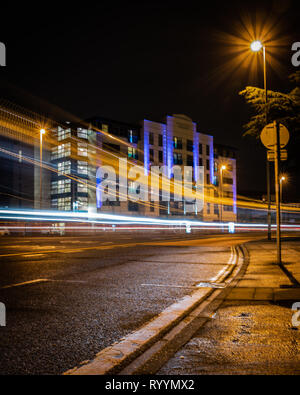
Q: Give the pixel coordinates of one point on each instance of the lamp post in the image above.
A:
(257, 46)
(282, 179)
(223, 168)
(42, 132)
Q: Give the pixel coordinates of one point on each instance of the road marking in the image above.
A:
(230, 262)
(168, 286)
(39, 280)
(210, 285)
(166, 243)
(32, 255)
(68, 281)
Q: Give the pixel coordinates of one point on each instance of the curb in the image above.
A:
(148, 348)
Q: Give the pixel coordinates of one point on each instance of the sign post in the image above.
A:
(275, 137)
(277, 191)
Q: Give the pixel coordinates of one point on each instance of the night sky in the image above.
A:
(133, 60)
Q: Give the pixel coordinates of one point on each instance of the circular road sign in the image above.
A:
(268, 136)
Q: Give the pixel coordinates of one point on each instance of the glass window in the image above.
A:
(132, 187)
(151, 138)
(177, 159)
(189, 161)
(82, 133)
(160, 156)
(64, 167)
(63, 133)
(132, 136)
(64, 186)
(105, 128)
(53, 187)
(82, 167)
(189, 145)
(151, 155)
(208, 150)
(82, 149)
(61, 151)
(82, 203)
(160, 140)
(228, 181)
(200, 149)
(82, 187)
(177, 143)
(61, 186)
(132, 153)
(64, 203)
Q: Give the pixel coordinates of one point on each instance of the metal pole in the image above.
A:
(41, 160)
(268, 163)
(221, 195)
(277, 190)
(280, 190)
(280, 185)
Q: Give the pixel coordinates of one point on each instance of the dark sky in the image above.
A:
(130, 60)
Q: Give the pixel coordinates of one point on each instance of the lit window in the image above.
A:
(82, 167)
(63, 134)
(82, 188)
(105, 128)
(64, 203)
(61, 186)
(64, 167)
(61, 151)
(82, 203)
(132, 153)
(54, 187)
(177, 159)
(82, 133)
(82, 149)
(132, 187)
(177, 143)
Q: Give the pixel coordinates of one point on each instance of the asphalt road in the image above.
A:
(81, 294)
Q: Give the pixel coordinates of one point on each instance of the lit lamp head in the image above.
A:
(282, 179)
(42, 131)
(256, 46)
(223, 167)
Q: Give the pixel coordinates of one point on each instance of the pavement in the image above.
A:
(252, 332)
(68, 298)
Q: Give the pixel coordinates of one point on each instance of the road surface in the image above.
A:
(67, 298)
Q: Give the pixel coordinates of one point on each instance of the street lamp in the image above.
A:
(257, 46)
(42, 132)
(223, 168)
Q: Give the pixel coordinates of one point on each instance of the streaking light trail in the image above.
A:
(112, 219)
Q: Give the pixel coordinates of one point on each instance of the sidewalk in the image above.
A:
(252, 332)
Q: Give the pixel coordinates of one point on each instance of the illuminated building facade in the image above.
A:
(174, 142)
